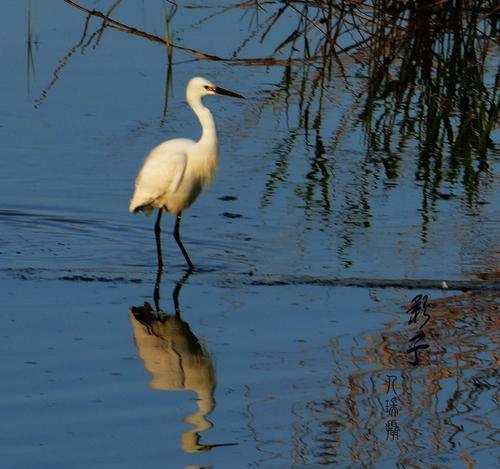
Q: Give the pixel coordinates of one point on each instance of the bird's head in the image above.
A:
(199, 87)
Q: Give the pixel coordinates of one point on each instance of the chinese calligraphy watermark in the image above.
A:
(392, 409)
(418, 307)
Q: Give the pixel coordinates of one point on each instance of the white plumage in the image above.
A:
(176, 171)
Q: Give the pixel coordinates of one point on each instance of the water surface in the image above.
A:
(269, 361)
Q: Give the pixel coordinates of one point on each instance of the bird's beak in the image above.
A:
(218, 90)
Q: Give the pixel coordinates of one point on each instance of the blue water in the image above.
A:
(295, 373)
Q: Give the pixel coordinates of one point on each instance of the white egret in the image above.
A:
(176, 171)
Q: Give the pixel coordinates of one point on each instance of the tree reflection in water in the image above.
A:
(446, 404)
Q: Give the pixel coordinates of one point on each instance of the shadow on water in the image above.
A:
(177, 361)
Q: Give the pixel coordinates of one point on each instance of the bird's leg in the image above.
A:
(158, 240)
(179, 242)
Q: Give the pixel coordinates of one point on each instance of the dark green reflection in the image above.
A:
(426, 86)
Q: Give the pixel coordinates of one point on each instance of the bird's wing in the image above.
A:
(175, 171)
(161, 173)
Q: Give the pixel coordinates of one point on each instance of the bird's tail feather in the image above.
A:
(147, 209)
(141, 207)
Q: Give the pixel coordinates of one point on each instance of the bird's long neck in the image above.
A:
(209, 132)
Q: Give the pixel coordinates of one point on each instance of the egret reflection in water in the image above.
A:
(177, 361)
